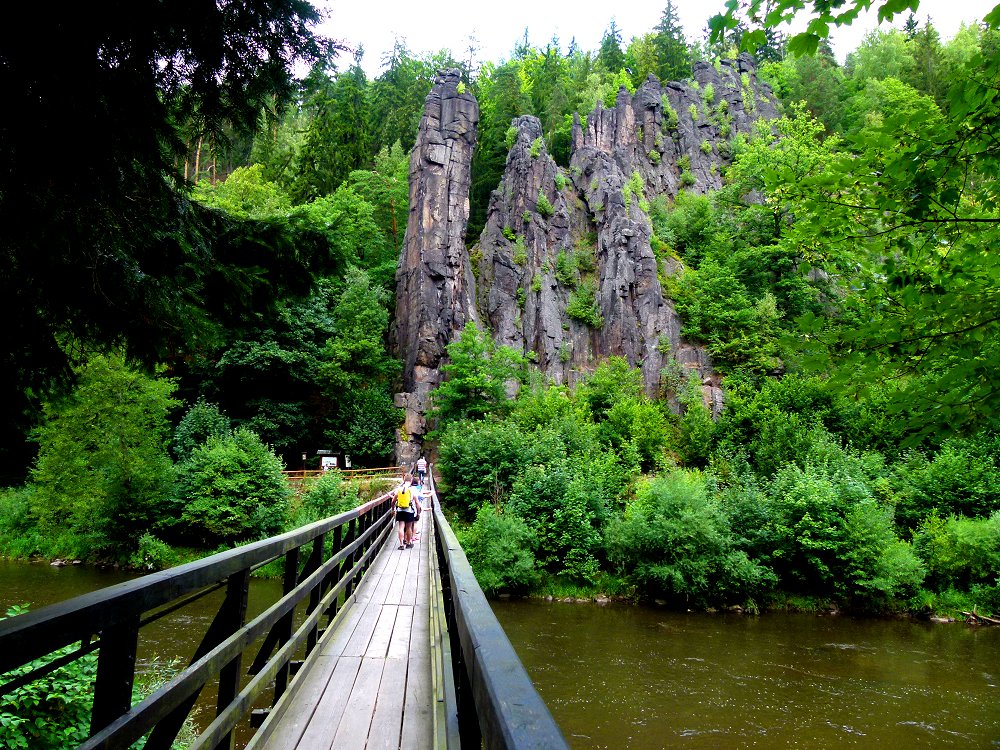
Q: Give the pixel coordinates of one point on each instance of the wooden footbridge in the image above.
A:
(369, 646)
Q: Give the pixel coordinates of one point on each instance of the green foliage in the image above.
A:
(561, 181)
(739, 331)
(693, 112)
(520, 255)
(635, 186)
(476, 377)
(536, 148)
(674, 542)
(670, 117)
(52, 712)
(708, 95)
(245, 193)
(583, 306)
(562, 513)
(103, 467)
(153, 554)
(508, 233)
(498, 545)
(544, 206)
(201, 421)
(120, 257)
(510, 138)
(706, 147)
(962, 478)
(536, 283)
(566, 269)
(230, 490)
(323, 497)
(612, 382)
(960, 552)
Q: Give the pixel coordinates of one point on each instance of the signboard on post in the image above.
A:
(328, 462)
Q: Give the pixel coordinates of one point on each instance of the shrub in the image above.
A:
(582, 305)
(520, 251)
(544, 207)
(708, 94)
(510, 137)
(201, 421)
(103, 467)
(962, 478)
(325, 496)
(536, 148)
(565, 269)
(536, 282)
(960, 552)
(508, 233)
(52, 712)
(498, 546)
(693, 111)
(687, 178)
(670, 118)
(521, 297)
(561, 181)
(555, 503)
(153, 554)
(706, 147)
(231, 489)
(674, 542)
(526, 217)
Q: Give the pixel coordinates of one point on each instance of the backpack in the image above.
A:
(403, 499)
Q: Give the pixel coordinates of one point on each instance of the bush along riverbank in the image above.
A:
(603, 493)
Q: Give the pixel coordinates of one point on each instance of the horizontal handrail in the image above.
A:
(498, 705)
(116, 614)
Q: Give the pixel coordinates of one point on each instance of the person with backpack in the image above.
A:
(407, 505)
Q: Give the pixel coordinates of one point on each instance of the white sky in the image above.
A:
(498, 25)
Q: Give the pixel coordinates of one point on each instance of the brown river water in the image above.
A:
(619, 676)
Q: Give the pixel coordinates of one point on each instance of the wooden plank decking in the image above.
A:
(370, 684)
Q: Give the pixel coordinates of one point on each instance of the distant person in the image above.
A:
(407, 505)
(421, 470)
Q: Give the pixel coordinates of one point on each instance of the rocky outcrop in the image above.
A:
(435, 289)
(565, 269)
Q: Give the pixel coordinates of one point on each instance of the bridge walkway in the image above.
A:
(369, 683)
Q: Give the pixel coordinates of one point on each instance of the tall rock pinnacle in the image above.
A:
(435, 294)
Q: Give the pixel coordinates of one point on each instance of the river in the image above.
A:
(619, 676)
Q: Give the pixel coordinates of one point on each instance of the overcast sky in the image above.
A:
(498, 24)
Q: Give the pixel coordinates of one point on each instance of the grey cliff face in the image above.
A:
(434, 283)
(556, 240)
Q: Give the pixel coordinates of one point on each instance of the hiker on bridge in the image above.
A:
(407, 506)
(421, 470)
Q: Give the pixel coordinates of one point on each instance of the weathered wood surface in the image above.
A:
(369, 685)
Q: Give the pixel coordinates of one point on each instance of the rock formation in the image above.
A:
(434, 283)
(565, 269)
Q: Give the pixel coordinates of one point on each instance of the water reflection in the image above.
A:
(633, 677)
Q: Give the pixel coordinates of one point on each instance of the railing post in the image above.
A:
(115, 673)
(315, 561)
(335, 575)
(352, 533)
(284, 625)
(233, 612)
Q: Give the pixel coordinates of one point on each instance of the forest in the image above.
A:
(209, 293)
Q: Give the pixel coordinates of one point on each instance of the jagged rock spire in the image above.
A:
(434, 283)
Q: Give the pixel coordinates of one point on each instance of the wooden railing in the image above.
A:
(319, 573)
(496, 703)
(387, 472)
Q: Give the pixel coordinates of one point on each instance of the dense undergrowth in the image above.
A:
(574, 494)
